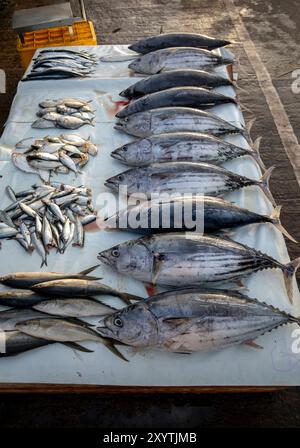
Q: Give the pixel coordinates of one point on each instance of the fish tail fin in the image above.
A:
(88, 270)
(275, 219)
(245, 108)
(289, 271)
(256, 155)
(249, 125)
(239, 87)
(263, 184)
(127, 298)
(256, 144)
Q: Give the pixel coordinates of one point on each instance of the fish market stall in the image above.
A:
(270, 361)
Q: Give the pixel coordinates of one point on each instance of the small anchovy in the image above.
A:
(55, 210)
(73, 307)
(177, 40)
(28, 210)
(6, 231)
(175, 119)
(28, 279)
(175, 78)
(67, 161)
(193, 320)
(72, 139)
(178, 57)
(47, 236)
(195, 97)
(185, 178)
(88, 219)
(11, 194)
(189, 213)
(48, 157)
(80, 288)
(39, 246)
(79, 233)
(191, 259)
(182, 147)
(60, 330)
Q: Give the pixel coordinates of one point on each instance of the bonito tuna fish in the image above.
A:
(167, 40)
(175, 78)
(191, 259)
(193, 320)
(182, 147)
(195, 97)
(177, 57)
(188, 213)
(185, 178)
(175, 119)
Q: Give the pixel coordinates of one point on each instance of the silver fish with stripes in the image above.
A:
(176, 119)
(183, 147)
(193, 320)
(190, 259)
(185, 178)
(178, 57)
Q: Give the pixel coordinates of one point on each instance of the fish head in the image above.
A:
(138, 124)
(137, 153)
(128, 182)
(133, 325)
(127, 93)
(135, 65)
(130, 258)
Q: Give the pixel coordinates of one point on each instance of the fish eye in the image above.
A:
(124, 148)
(118, 322)
(115, 253)
(120, 177)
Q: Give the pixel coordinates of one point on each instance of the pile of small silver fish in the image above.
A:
(61, 63)
(48, 307)
(53, 154)
(67, 113)
(47, 216)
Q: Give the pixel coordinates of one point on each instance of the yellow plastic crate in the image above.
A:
(80, 33)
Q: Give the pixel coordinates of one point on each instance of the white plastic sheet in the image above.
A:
(275, 364)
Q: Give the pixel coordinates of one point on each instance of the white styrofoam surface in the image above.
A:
(242, 365)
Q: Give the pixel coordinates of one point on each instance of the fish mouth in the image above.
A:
(124, 93)
(110, 184)
(103, 257)
(116, 155)
(105, 332)
(120, 126)
(121, 113)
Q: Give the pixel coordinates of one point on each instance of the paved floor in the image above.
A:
(274, 28)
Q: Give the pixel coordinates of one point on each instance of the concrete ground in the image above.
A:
(274, 29)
